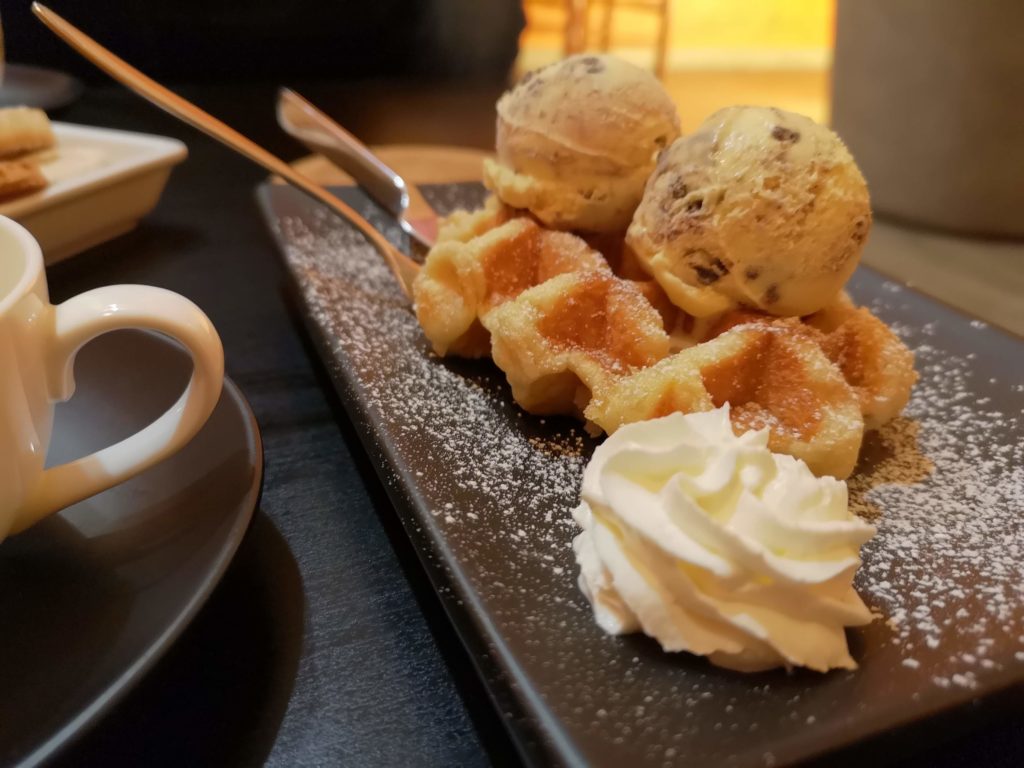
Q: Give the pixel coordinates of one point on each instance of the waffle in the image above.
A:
(625, 264)
(463, 225)
(873, 360)
(875, 363)
(578, 330)
(464, 279)
(573, 335)
(774, 375)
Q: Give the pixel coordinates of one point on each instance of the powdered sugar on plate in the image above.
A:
(946, 491)
(492, 489)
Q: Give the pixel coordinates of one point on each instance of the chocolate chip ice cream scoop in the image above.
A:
(760, 208)
(577, 140)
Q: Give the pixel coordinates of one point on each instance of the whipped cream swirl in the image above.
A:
(712, 544)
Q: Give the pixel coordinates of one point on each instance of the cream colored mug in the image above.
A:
(38, 344)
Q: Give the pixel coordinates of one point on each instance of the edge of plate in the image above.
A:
(89, 716)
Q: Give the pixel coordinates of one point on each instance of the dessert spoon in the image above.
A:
(403, 267)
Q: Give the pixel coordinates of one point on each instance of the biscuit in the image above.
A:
(24, 129)
(19, 177)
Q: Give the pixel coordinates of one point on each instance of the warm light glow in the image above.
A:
(731, 25)
(784, 24)
(720, 52)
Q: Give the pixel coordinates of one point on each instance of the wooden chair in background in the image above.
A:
(576, 25)
(662, 8)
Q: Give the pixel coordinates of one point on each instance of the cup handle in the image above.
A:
(80, 320)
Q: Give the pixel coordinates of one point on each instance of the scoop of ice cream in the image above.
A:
(577, 140)
(759, 207)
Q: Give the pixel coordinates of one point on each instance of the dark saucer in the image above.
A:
(92, 597)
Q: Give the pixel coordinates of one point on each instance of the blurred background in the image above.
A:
(709, 53)
(926, 93)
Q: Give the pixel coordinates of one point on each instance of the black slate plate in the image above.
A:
(485, 493)
(93, 596)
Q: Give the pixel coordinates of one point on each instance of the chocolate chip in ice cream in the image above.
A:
(705, 275)
(708, 269)
(781, 133)
(860, 231)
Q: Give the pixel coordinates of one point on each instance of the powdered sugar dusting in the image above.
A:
(946, 570)
(426, 401)
(494, 488)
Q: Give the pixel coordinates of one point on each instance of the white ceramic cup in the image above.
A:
(38, 344)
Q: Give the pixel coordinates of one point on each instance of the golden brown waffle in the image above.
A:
(626, 265)
(462, 280)
(577, 336)
(463, 225)
(773, 375)
(873, 360)
(572, 335)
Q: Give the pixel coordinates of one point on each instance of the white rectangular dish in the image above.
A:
(101, 182)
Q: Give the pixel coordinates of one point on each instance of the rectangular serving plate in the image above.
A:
(101, 183)
(485, 493)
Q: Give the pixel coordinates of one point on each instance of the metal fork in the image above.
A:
(319, 133)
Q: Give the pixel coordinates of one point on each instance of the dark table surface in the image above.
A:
(324, 644)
